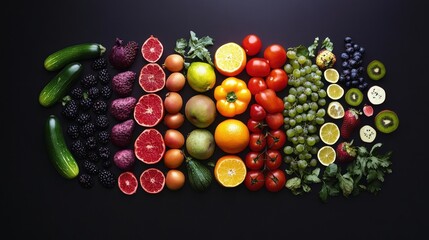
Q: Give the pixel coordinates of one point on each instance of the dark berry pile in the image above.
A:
(352, 72)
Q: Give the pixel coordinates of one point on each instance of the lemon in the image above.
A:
(329, 133)
(335, 110)
(331, 75)
(201, 76)
(230, 59)
(326, 155)
(335, 91)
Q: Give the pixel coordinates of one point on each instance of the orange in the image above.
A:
(230, 59)
(232, 136)
(230, 171)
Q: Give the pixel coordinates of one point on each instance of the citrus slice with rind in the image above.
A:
(152, 180)
(331, 75)
(326, 155)
(329, 133)
(335, 110)
(127, 183)
(334, 91)
(230, 171)
(152, 78)
(149, 110)
(149, 146)
(152, 49)
(230, 59)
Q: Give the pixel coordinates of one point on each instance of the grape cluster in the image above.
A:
(352, 59)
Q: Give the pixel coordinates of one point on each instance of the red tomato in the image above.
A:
(275, 180)
(274, 120)
(270, 101)
(252, 44)
(258, 67)
(277, 79)
(254, 180)
(254, 160)
(255, 126)
(257, 142)
(276, 139)
(257, 112)
(256, 84)
(273, 159)
(276, 55)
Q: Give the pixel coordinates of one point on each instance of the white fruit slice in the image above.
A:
(367, 134)
(376, 95)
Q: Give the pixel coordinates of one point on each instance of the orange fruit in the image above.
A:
(232, 136)
(230, 59)
(230, 171)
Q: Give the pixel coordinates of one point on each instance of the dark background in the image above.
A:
(37, 202)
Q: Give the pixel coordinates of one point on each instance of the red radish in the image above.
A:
(351, 121)
(346, 152)
(368, 110)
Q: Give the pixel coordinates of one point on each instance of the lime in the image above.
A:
(326, 155)
(331, 75)
(335, 91)
(329, 133)
(335, 110)
(201, 76)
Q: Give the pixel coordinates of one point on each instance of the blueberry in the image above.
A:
(352, 62)
(344, 56)
(345, 64)
(346, 72)
(355, 83)
(350, 50)
(348, 78)
(361, 79)
(365, 84)
(348, 84)
(348, 45)
(347, 39)
(361, 87)
(342, 78)
(360, 69)
(354, 70)
(353, 75)
(356, 47)
(362, 50)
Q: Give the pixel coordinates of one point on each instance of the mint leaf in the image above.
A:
(323, 194)
(346, 184)
(312, 48)
(331, 170)
(306, 188)
(327, 44)
(294, 184)
(312, 178)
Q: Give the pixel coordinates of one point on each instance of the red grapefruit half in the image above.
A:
(128, 183)
(152, 49)
(152, 77)
(152, 180)
(149, 110)
(149, 146)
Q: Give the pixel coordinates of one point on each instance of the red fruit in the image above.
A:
(128, 183)
(122, 133)
(122, 83)
(149, 110)
(123, 56)
(149, 146)
(152, 180)
(152, 78)
(121, 108)
(351, 121)
(254, 180)
(152, 49)
(346, 152)
(368, 110)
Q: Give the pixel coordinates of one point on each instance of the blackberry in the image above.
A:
(70, 109)
(106, 92)
(78, 148)
(86, 103)
(103, 137)
(107, 164)
(88, 81)
(90, 167)
(104, 76)
(73, 131)
(93, 92)
(92, 156)
(83, 118)
(87, 129)
(106, 178)
(76, 93)
(101, 122)
(99, 63)
(99, 107)
(91, 143)
(85, 180)
(103, 153)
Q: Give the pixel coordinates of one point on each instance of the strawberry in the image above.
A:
(346, 152)
(351, 121)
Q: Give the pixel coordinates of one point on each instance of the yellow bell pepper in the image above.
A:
(232, 97)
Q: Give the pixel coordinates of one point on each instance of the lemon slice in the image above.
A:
(230, 171)
(335, 110)
(331, 75)
(335, 91)
(326, 155)
(329, 133)
(230, 59)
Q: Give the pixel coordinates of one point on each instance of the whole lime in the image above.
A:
(201, 76)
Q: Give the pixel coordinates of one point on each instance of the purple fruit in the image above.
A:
(123, 56)
(124, 159)
(122, 83)
(122, 133)
(121, 108)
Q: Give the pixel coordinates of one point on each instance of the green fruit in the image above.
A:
(201, 76)
(200, 144)
(376, 70)
(354, 97)
(386, 121)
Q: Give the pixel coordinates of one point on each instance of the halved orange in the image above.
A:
(230, 59)
(230, 171)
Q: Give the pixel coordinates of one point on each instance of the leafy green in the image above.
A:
(194, 48)
(327, 44)
(300, 51)
(313, 47)
(300, 183)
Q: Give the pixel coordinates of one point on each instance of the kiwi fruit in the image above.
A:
(386, 121)
(376, 70)
(354, 97)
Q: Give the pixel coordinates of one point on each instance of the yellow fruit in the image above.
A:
(230, 171)
(201, 76)
(326, 155)
(232, 136)
(335, 110)
(331, 75)
(329, 133)
(230, 59)
(335, 91)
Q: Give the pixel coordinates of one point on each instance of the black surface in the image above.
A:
(37, 202)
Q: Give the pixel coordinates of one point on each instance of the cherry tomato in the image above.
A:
(273, 159)
(258, 67)
(256, 84)
(257, 142)
(254, 180)
(257, 112)
(275, 180)
(277, 79)
(252, 44)
(276, 139)
(254, 160)
(276, 55)
(255, 126)
(274, 120)
(270, 101)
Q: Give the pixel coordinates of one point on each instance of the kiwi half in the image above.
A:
(354, 97)
(386, 121)
(376, 70)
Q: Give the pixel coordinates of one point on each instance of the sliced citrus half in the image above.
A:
(326, 155)
(230, 171)
(335, 110)
(152, 180)
(335, 91)
(329, 133)
(152, 49)
(331, 75)
(230, 59)
(128, 183)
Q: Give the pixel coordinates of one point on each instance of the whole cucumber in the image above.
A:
(60, 84)
(59, 154)
(78, 52)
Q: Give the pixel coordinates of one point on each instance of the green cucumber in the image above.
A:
(59, 154)
(61, 58)
(60, 84)
(200, 177)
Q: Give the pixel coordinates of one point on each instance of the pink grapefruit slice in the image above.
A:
(149, 146)
(128, 183)
(149, 110)
(152, 180)
(152, 77)
(152, 49)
